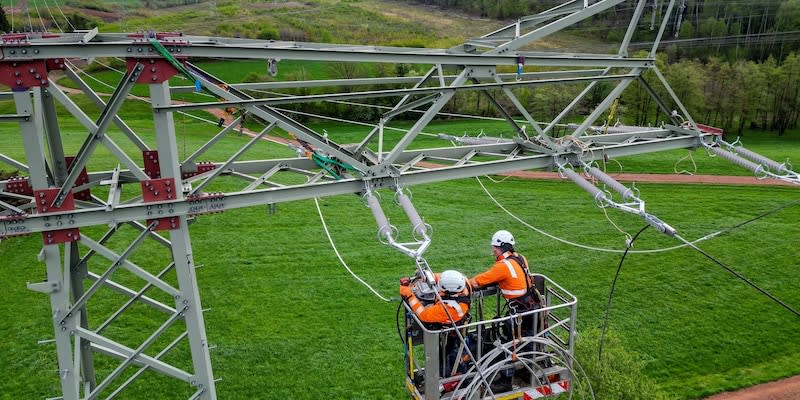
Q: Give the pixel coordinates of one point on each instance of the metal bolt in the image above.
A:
(36, 51)
(24, 51)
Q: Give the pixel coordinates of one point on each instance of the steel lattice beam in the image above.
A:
(168, 191)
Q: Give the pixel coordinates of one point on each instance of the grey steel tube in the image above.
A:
(416, 221)
(384, 229)
(593, 190)
(623, 190)
(772, 164)
(736, 159)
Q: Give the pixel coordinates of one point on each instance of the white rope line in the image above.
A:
(52, 16)
(339, 256)
(389, 128)
(355, 103)
(62, 14)
(583, 246)
(36, 6)
(137, 97)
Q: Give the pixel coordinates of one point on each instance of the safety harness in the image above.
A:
(531, 298)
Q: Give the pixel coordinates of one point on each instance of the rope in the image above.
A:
(582, 246)
(339, 256)
(683, 171)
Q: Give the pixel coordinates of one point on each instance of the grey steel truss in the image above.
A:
(55, 196)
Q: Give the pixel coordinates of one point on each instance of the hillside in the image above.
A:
(284, 318)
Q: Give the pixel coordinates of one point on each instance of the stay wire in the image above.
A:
(741, 277)
(339, 256)
(611, 292)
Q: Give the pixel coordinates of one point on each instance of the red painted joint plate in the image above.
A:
(22, 75)
(156, 70)
(151, 167)
(83, 178)
(19, 185)
(158, 190)
(44, 198)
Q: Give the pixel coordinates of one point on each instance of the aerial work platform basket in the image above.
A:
(526, 355)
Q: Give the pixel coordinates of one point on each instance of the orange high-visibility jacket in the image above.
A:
(507, 274)
(435, 312)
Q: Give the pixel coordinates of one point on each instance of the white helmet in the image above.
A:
(501, 237)
(452, 281)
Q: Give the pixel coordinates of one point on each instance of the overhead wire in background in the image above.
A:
(607, 250)
(38, 14)
(134, 96)
(52, 16)
(28, 13)
(741, 277)
(339, 256)
(55, 2)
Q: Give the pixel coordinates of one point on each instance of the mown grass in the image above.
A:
(288, 322)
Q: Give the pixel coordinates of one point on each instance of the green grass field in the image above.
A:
(287, 321)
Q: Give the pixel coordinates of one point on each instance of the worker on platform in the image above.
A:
(455, 300)
(450, 307)
(510, 273)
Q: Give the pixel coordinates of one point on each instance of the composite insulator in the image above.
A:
(416, 221)
(623, 190)
(736, 159)
(384, 229)
(593, 190)
(772, 164)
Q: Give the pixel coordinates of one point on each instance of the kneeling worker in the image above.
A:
(454, 306)
(453, 309)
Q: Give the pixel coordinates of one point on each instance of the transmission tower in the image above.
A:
(153, 193)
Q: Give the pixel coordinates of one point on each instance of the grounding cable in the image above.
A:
(339, 256)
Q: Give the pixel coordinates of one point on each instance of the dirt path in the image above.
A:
(784, 389)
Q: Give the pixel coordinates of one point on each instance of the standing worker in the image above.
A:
(509, 273)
